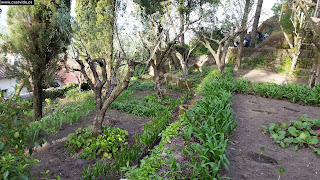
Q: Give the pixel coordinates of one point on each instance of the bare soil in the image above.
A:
(244, 151)
(263, 75)
(55, 157)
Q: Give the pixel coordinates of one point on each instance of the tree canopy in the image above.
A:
(38, 40)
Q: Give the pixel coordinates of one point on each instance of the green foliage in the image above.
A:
(151, 6)
(197, 75)
(38, 40)
(14, 139)
(106, 170)
(232, 59)
(148, 167)
(294, 92)
(138, 107)
(152, 131)
(255, 62)
(20, 132)
(75, 105)
(56, 92)
(297, 133)
(149, 106)
(100, 170)
(182, 49)
(285, 17)
(159, 123)
(142, 85)
(155, 160)
(94, 24)
(208, 125)
(108, 142)
(139, 70)
(175, 88)
(286, 66)
(127, 156)
(201, 49)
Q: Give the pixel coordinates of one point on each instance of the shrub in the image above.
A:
(15, 136)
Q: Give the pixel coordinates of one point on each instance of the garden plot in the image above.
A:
(56, 158)
(248, 138)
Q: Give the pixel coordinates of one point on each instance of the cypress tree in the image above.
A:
(38, 39)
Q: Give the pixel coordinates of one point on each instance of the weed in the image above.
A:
(281, 171)
(261, 150)
(45, 172)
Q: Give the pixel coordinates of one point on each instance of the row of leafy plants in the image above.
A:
(294, 92)
(113, 153)
(208, 125)
(150, 164)
(76, 104)
(210, 122)
(206, 128)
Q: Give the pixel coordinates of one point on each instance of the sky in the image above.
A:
(266, 11)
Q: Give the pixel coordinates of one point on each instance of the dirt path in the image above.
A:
(251, 113)
(262, 75)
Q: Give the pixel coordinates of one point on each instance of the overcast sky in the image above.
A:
(266, 11)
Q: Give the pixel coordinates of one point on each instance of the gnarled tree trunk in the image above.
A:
(183, 63)
(296, 52)
(19, 88)
(182, 19)
(216, 55)
(105, 102)
(255, 24)
(315, 71)
(156, 76)
(224, 52)
(243, 33)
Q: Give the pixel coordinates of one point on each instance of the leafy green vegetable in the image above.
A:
(297, 132)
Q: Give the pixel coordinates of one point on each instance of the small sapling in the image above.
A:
(281, 171)
(261, 150)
